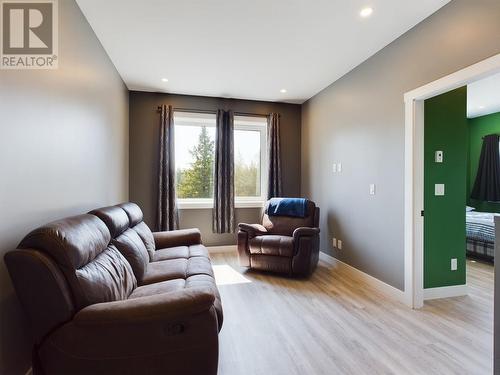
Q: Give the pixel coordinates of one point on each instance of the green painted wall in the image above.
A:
(478, 128)
(446, 129)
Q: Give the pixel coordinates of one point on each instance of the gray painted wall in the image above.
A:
(144, 133)
(359, 121)
(63, 151)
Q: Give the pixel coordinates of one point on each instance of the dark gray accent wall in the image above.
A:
(63, 151)
(359, 121)
(144, 132)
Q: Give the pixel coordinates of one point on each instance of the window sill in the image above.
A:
(200, 205)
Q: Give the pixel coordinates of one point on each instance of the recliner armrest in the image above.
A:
(181, 237)
(305, 231)
(160, 307)
(253, 229)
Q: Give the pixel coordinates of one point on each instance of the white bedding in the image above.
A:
(487, 218)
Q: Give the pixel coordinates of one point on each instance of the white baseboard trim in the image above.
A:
(445, 292)
(222, 249)
(386, 289)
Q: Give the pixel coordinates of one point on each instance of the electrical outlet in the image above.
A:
(453, 264)
(334, 243)
(339, 244)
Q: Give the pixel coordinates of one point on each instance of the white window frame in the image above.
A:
(250, 123)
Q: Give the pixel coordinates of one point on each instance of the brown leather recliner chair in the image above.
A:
(281, 244)
(105, 295)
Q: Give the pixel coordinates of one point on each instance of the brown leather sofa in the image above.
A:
(105, 295)
(281, 244)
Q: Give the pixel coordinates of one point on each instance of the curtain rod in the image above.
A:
(489, 135)
(214, 112)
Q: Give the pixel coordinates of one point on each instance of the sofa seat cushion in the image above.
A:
(272, 245)
(180, 252)
(180, 268)
(194, 281)
(158, 288)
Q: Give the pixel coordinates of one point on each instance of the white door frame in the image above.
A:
(414, 169)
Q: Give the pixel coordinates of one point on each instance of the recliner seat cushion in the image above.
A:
(272, 245)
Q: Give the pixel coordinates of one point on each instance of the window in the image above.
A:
(194, 159)
(250, 159)
(195, 156)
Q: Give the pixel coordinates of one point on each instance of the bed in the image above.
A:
(480, 233)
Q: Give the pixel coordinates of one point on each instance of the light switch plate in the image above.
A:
(334, 168)
(439, 189)
(453, 264)
(339, 167)
(334, 242)
(372, 189)
(339, 244)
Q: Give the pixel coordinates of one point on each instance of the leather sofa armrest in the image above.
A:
(253, 229)
(160, 307)
(181, 237)
(152, 334)
(305, 231)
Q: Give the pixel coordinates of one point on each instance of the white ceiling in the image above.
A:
(483, 97)
(248, 49)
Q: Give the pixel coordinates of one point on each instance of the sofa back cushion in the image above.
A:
(135, 217)
(132, 248)
(80, 246)
(115, 219)
(125, 239)
(285, 225)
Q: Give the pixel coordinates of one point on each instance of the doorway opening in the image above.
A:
(414, 170)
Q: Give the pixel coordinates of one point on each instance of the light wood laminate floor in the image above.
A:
(333, 324)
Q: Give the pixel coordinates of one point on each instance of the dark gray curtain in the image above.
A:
(168, 218)
(487, 184)
(223, 213)
(274, 188)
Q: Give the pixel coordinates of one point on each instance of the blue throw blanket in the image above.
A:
(287, 207)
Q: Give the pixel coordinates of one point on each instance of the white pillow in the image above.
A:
(469, 209)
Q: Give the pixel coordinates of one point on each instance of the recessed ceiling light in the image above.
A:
(164, 80)
(283, 91)
(366, 12)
